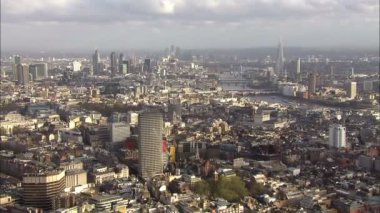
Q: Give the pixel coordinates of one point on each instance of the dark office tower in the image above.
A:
(38, 71)
(150, 146)
(312, 83)
(95, 62)
(114, 67)
(280, 59)
(177, 52)
(147, 67)
(16, 61)
(22, 74)
(121, 59)
(124, 67)
(331, 72)
(41, 189)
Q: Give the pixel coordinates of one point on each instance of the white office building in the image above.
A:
(120, 131)
(337, 136)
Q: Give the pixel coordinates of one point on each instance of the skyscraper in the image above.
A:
(146, 67)
(38, 71)
(114, 67)
(298, 70)
(337, 136)
(121, 59)
(124, 67)
(312, 83)
(95, 62)
(16, 61)
(22, 74)
(280, 59)
(150, 144)
(351, 89)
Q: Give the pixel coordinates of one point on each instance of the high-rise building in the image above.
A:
(23, 74)
(121, 60)
(42, 188)
(95, 62)
(351, 89)
(77, 66)
(298, 70)
(280, 60)
(124, 67)
(312, 83)
(114, 67)
(150, 144)
(367, 85)
(337, 136)
(16, 61)
(38, 71)
(147, 67)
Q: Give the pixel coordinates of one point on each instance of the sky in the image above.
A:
(43, 25)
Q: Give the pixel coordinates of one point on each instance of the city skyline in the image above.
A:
(71, 25)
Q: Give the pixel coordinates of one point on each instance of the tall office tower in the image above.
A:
(16, 61)
(146, 67)
(351, 89)
(95, 62)
(42, 188)
(77, 65)
(150, 144)
(312, 83)
(331, 72)
(337, 136)
(280, 59)
(114, 67)
(38, 71)
(121, 59)
(22, 74)
(124, 67)
(298, 70)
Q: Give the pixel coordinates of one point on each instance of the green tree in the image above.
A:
(202, 188)
(232, 189)
(257, 189)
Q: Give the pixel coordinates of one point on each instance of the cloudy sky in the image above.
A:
(155, 24)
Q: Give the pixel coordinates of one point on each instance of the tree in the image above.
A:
(232, 189)
(256, 189)
(202, 188)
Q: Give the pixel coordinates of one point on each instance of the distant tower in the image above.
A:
(121, 60)
(95, 62)
(150, 144)
(312, 83)
(114, 67)
(23, 74)
(351, 89)
(337, 136)
(332, 73)
(298, 70)
(280, 59)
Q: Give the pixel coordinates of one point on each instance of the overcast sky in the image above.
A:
(155, 24)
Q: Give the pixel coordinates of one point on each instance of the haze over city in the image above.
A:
(82, 25)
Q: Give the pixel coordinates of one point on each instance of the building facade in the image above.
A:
(150, 146)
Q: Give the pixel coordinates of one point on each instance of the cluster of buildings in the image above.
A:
(157, 135)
